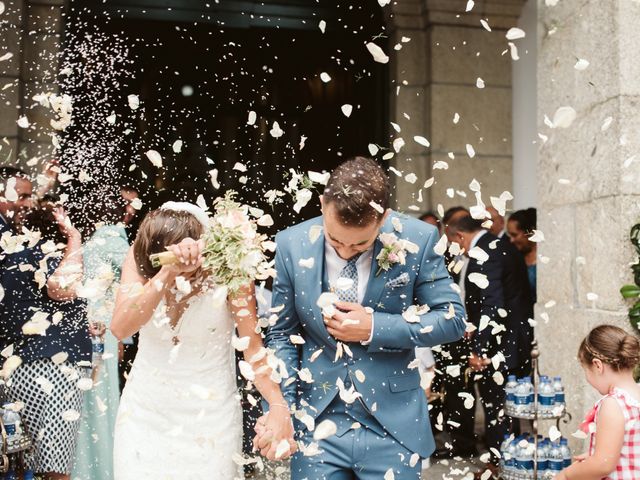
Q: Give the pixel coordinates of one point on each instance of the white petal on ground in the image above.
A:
(479, 279)
(325, 77)
(564, 117)
(347, 109)
(324, 429)
(469, 6)
(485, 25)
(479, 83)
(592, 297)
(155, 158)
(514, 51)
(421, 141)
(551, 3)
(470, 151)
(411, 178)
(514, 33)
(441, 165)
(441, 247)
(252, 118)
(276, 131)
(177, 146)
(377, 53)
(581, 64)
(2, 8)
(70, 415)
(6, 56)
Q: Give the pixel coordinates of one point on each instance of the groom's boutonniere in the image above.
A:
(394, 250)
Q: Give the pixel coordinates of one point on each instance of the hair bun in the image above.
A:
(629, 352)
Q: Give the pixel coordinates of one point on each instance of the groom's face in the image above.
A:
(348, 240)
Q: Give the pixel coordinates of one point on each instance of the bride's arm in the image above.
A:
(132, 311)
(244, 310)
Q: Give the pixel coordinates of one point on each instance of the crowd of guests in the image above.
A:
(499, 313)
(57, 291)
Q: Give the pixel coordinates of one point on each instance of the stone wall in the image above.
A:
(437, 72)
(31, 30)
(588, 189)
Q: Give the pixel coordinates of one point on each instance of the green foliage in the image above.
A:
(632, 291)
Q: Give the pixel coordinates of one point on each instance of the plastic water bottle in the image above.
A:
(556, 461)
(28, 475)
(524, 459)
(11, 421)
(543, 461)
(559, 392)
(510, 455)
(522, 397)
(546, 396)
(566, 452)
(510, 391)
(503, 452)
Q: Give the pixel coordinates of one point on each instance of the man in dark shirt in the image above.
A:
(16, 196)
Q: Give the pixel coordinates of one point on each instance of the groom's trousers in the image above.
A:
(364, 453)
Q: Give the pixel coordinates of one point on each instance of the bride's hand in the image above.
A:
(271, 429)
(189, 255)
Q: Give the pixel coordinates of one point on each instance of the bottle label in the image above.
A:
(559, 398)
(556, 465)
(10, 428)
(546, 401)
(98, 348)
(525, 464)
(522, 400)
(543, 464)
(511, 397)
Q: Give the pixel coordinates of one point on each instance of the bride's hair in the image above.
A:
(159, 229)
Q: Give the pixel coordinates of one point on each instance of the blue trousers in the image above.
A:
(360, 454)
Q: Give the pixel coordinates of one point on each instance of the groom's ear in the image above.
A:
(385, 216)
(321, 202)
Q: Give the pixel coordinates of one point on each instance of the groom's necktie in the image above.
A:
(350, 271)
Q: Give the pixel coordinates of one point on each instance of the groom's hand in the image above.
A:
(351, 324)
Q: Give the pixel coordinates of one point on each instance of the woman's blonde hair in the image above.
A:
(611, 345)
(159, 229)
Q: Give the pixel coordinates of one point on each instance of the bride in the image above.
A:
(180, 416)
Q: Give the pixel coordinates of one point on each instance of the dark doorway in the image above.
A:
(198, 81)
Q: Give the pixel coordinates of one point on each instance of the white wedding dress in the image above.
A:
(180, 415)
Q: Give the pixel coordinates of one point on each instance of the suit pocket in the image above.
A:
(402, 383)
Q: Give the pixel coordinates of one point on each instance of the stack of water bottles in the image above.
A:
(519, 454)
(520, 397)
(17, 442)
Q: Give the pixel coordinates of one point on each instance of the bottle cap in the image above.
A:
(511, 378)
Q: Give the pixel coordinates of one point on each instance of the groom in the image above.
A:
(355, 377)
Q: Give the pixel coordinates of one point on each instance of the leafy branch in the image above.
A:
(632, 291)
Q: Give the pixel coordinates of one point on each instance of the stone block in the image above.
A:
(602, 238)
(556, 277)
(44, 18)
(462, 54)
(9, 102)
(14, 13)
(41, 57)
(485, 119)
(10, 39)
(493, 173)
(405, 193)
(414, 102)
(411, 64)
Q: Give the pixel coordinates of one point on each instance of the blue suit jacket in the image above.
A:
(391, 387)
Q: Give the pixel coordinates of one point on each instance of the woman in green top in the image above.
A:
(103, 257)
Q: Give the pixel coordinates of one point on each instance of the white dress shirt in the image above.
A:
(334, 265)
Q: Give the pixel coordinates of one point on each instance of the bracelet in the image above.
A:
(283, 405)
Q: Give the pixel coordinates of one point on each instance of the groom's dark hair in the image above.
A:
(359, 190)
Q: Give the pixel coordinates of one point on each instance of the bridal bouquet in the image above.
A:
(234, 251)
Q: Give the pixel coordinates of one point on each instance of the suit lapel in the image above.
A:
(376, 284)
